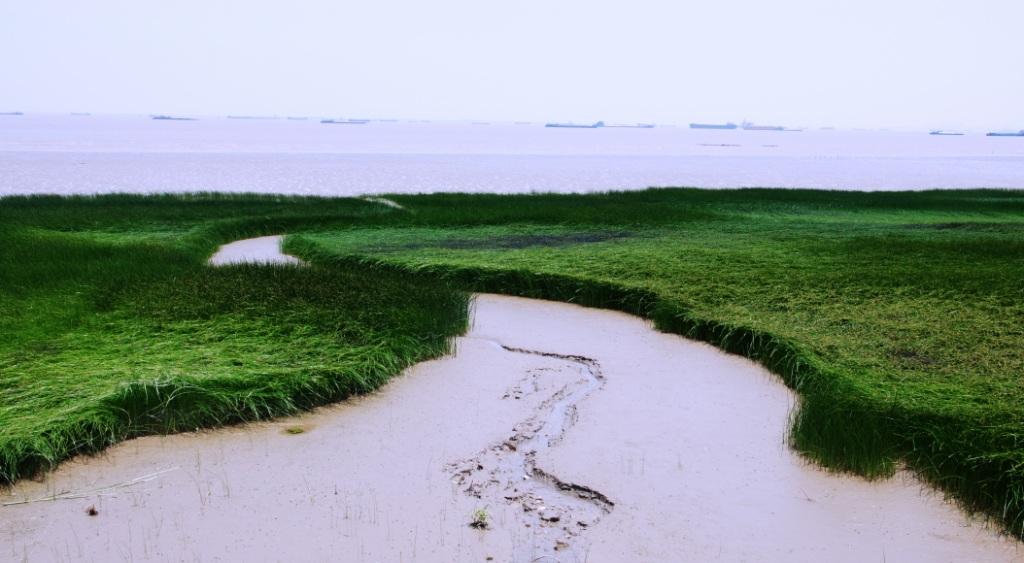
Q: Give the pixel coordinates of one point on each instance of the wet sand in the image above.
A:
(584, 435)
(261, 250)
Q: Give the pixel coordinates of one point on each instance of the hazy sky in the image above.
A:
(870, 63)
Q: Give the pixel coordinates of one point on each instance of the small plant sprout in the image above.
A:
(480, 519)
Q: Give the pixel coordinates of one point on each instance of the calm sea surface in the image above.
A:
(92, 154)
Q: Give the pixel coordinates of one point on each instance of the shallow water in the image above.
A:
(259, 250)
(92, 154)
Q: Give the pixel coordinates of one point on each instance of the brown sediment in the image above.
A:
(646, 446)
(524, 241)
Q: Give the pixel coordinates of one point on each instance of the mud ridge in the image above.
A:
(555, 512)
(580, 491)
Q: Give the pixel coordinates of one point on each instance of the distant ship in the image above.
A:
(346, 121)
(751, 127)
(1005, 133)
(11, 113)
(297, 118)
(945, 132)
(172, 118)
(575, 125)
(713, 126)
(634, 126)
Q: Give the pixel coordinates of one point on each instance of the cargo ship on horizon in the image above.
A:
(713, 126)
(1005, 133)
(594, 125)
(345, 121)
(946, 132)
(748, 126)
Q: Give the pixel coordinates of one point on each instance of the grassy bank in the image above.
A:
(899, 317)
(114, 327)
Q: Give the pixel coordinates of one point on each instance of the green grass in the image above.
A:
(114, 327)
(898, 317)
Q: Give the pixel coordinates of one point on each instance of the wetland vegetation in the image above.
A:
(897, 316)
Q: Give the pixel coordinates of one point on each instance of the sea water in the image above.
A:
(80, 154)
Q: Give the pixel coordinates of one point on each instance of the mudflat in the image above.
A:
(567, 434)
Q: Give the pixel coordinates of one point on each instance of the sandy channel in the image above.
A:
(584, 435)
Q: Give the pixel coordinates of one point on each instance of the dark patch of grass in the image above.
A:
(518, 241)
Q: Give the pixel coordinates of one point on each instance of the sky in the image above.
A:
(904, 64)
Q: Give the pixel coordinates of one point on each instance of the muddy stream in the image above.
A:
(554, 433)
